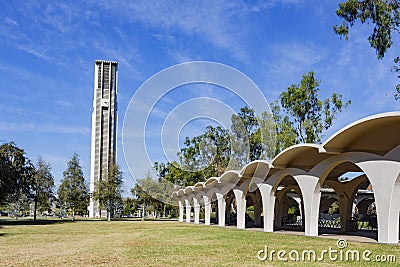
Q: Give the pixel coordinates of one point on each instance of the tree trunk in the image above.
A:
(73, 213)
(34, 209)
(109, 216)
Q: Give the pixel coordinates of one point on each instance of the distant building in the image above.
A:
(104, 124)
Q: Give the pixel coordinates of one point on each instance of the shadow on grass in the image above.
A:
(146, 219)
(1, 234)
(49, 221)
(9, 221)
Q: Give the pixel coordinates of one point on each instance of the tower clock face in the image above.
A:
(104, 103)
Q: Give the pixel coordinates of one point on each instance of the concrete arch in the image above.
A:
(257, 204)
(277, 177)
(386, 193)
(198, 194)
(325, 205)
(323, 168)
(288, 200)
(366, 202)
(310, 189)
(188, 198)
(219, 186)
(346, 192)
(280, 197)
(257, 168)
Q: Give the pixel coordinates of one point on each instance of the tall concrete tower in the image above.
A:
(104, 125)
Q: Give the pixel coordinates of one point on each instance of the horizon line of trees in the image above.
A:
(28, 189)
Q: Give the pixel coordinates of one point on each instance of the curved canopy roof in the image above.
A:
(302, 156)
(229, 177)
(258, 168)
(376, 134)
(181, 192)
(198, 186)
(188, 190)
(211, 182)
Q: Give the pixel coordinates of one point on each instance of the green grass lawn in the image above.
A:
(156, 243)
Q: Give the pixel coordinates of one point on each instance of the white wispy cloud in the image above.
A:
(64, 103)
(11, 21)
(59, 33)
(305, 54)
(43, 128)
(216, 22)
(290, 61)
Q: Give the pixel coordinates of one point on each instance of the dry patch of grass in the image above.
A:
(154, 243)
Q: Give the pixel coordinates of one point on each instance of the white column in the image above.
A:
(196, 206)
(188, 210)
(240, 208)
(384, 177)
(268, 204)
(207, 210)
(180, 210)
(311, 192)
(221, 209)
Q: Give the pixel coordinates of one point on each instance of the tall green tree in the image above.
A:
(144, 191)
(153, 194)
(108, 190)
(384, 15)
(130, 206)
(207, 154)
(203, 156)
(268, 135)
(244, 130)
(42, 186)
(286, 135)
(73, 190)
(301, 116)
(15, 172)
(252, 136)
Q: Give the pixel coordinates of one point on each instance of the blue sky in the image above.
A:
(48, 49)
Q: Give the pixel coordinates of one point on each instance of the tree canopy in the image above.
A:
(384, 15)
(73, 190)
(108, 190)
(15, 172)
(22, 182)
(301, 116)
(42, 186)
